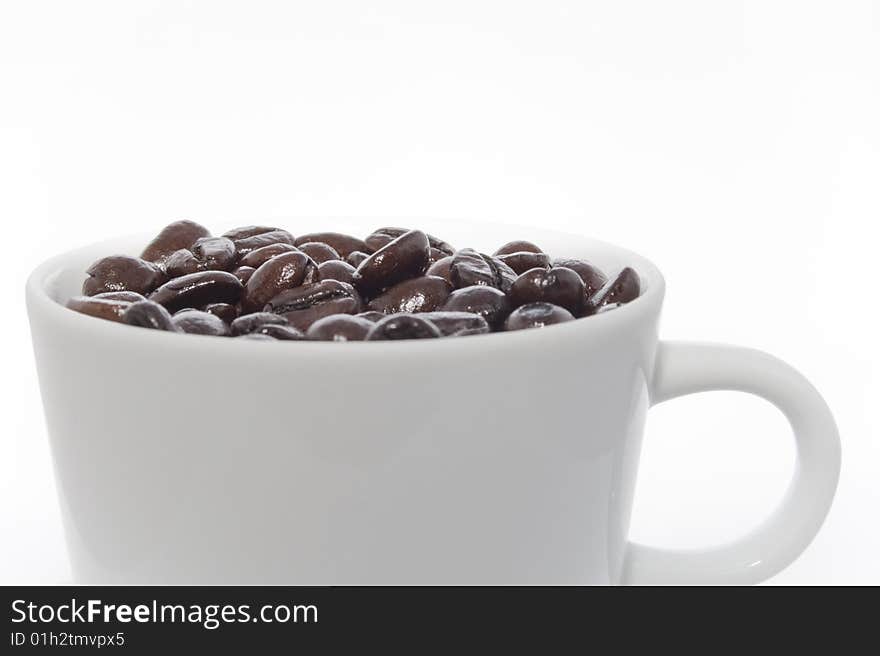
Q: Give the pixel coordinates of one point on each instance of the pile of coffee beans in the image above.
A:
(261, 282)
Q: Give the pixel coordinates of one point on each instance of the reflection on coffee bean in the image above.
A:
(262, 283)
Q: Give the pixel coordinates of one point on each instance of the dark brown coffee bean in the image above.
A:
(523, 261)
(248, 323)
(277, 331)
(559, 286)
(304, 305)
(197, 290)
(403, 258)
(122, 273)
(284, 271)
(435, 254)
(174, 236)
(228, 313)
(537, 315)
(336, 270)
(131, 297)
(490, 303)
(518, 246)
(469, 268)
(384, 236)
(345, 245)
(198, 322)
(422, 294)
(243, 273)
(440, 268)
(103, 308)
(624, 288)
(319, 252)
(181, 263)
(148, 314)
(340, 328)
(593, 279)
(214, 253)
(355, 258)
(403, 326)
(247, 244)
(453, 324)
(262, 255)
(371, 315)
(244, 232)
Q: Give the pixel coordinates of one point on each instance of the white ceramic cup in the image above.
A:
(492, 459)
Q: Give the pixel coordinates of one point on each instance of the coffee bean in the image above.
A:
(593, 279)
(356, 257)
(319, 252)
(118, 273)
(182, 263)
(103, 308)
(248, 323)
(148, 314)
(537, 315)
(453, 324)
(198, 322)
(214, 253)
(403, 326)
(173, 237)
(422, 294)
(336, 270)
(243, 273)
(244, 232)
(490, 303)
(262, 255)
(225, 311)
(245, 245)
(345, 245)
(403, 258)
(384, 236)
(277, 331)
(523, 261)
(625, 287)
(197, 290)
(559, 286)
(131, 297)
(340, 328)
(284, 271)
(306, 304)
(440, 268)
(469, 268)
(518, 246)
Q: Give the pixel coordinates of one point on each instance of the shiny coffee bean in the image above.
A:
(198, 322)
(247, 244)
(260, 256)
(148, 314)
(355, 258)
(403, 326)
(225, 311)
(122, 273)
(422, 294)
(103, 308)
(537, 315)
(131, 297)
(469, 268)
(440, 268)
(490, 303)
(215, 253)
(340, 328)
(244, 232)
(559, 286)
(454, 324)
(403, 258)
(523, 261)
(336, 270)
(371, 315)
(518, 246)
(277, 331)
(625, 287)
(345, 245)
(243, 273)
(319, 252)
(173, 237)
(248, 323)
(304, 305)
(384, 236)
(197, 290)
(182, 263)
(435, 254)
(284, 271)
(593, 278)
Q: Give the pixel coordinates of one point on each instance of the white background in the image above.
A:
(734, 143)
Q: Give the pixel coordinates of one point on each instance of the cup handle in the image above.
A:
(685, 368)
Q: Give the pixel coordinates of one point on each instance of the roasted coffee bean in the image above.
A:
(345, 245)
(319, 252)
(403, 258)
(422, 294)
(284, 271)
(304, 305)
(340, 328)
(384, 236)
(214, 253)
(435, 254)
(131, 297)
(227, 312)
(371, 315)
(537, 315)
(453, 324)
(593, 279)
(469, 268)
(277, 331)
(490, 303)
(103, 308)
(244, 232)
(247, 244)
(523, 261)
(440, 268)
(248, 323)
(182, 263)
(336, 270)
(403, 326)
(122, 273)
(197, 290)
(174, 236)
(356, 257)
(243, 273)
(559, 286)
(198, 322)
(148, 314)
(623, 288)
(259, 256)
(518, 246)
